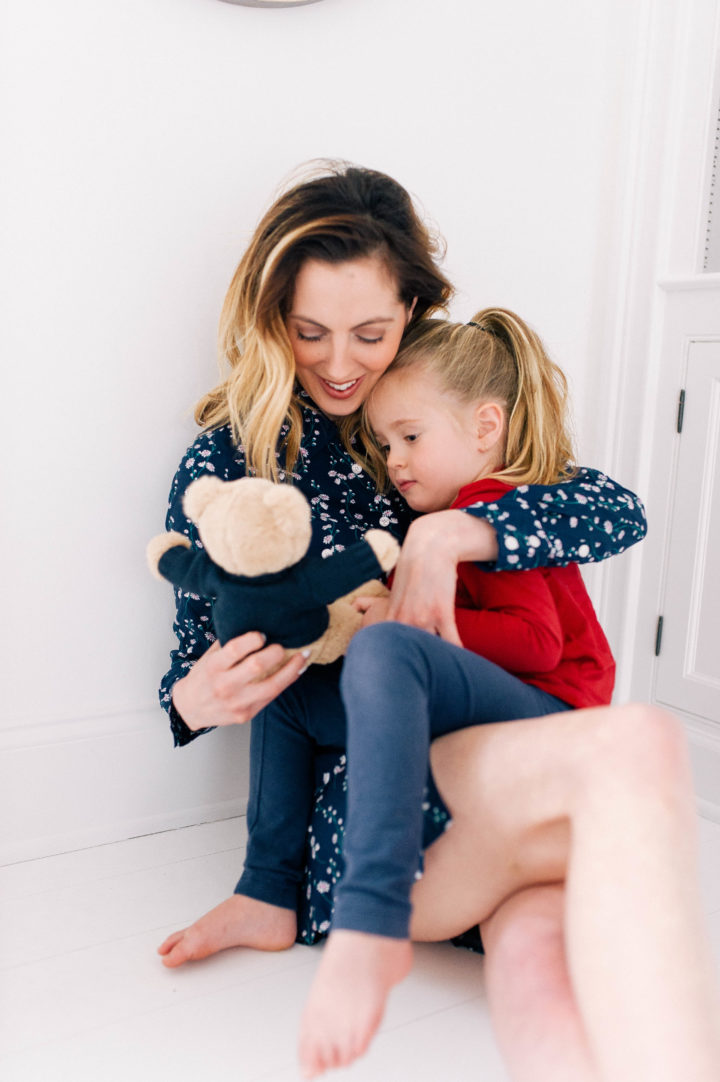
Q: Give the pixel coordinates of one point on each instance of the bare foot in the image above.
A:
(239, 921)
(348, 996)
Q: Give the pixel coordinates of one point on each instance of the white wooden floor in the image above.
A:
(83, 997)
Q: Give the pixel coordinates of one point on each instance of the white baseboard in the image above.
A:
(96, 780)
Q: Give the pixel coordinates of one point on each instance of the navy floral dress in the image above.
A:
(583, 520)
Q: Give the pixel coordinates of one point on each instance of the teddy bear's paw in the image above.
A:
(345, 620)
(385, 548)
(160, 545)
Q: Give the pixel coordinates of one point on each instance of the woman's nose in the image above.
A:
(339, 358)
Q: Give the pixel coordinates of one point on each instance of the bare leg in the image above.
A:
(532, 1002)
(637, 954)
(239, 921)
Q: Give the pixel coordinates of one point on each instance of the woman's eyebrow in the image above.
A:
(365, 322)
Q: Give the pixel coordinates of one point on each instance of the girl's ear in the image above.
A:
(489, 424)
(410, 311)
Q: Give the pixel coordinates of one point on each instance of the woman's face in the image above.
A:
(345, 324)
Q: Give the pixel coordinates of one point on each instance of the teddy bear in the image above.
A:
(254, 568)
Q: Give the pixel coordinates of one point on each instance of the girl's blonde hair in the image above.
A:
(347, 213)
(496, 357)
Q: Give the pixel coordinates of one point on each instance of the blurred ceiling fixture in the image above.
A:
(271, 3)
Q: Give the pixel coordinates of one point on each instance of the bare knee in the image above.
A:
(645, 744)
(535, 910)
(524, 939)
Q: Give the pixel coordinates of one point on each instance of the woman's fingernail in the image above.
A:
(263, 636)
(306, 653)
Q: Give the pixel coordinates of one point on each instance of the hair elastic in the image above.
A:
(481, 328)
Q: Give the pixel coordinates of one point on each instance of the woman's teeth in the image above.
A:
(341, 386)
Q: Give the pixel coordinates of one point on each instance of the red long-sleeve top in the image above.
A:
(539, 625)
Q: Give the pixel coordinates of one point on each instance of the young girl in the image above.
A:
(464, 414)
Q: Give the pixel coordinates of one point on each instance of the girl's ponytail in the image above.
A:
(495, 357)
(538, 447)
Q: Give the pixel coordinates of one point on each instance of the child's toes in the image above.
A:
(309, 1056)
(170, 942)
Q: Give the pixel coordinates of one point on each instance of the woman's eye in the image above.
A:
(309, 337)
(370, 341)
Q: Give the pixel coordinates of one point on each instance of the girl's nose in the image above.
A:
(394, 458)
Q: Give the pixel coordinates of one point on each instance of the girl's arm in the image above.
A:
(512, 620)
(586, 519)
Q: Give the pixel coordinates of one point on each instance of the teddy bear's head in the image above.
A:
(250, 526)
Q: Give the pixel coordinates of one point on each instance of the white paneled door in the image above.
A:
(688, 663)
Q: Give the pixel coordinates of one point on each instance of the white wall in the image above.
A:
(142, 141)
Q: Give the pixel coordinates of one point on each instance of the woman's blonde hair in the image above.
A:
(496, 357)
(347, 213)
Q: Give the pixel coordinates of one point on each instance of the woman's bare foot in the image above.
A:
(348, 996)
(239, 921)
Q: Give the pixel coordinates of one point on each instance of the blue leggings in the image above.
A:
(402, 688)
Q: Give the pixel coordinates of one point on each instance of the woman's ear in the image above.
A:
(489, 424)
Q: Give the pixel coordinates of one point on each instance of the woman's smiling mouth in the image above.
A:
(341, 389)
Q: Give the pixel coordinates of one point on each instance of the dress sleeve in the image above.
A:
(193, 626)
(583, 520)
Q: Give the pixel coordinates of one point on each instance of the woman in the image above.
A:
(336, 271)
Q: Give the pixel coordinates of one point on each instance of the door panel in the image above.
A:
(688, 668)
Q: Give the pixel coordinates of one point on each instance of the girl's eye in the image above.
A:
(411, 437)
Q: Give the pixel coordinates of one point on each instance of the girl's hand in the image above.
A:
(374, 609)
(423, 589)
(230, 684)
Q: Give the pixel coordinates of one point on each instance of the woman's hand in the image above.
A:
(423, 589)
(230, 684)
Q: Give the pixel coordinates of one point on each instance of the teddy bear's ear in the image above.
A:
(199, 494)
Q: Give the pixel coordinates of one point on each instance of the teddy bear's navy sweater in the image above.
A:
(289, 606)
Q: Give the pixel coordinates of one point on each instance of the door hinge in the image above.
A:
(658, 636)
(681, 411)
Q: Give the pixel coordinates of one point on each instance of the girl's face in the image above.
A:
(434, 444)
(345, 325)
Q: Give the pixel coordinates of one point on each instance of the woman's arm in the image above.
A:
(208, 685)
(583, 520)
